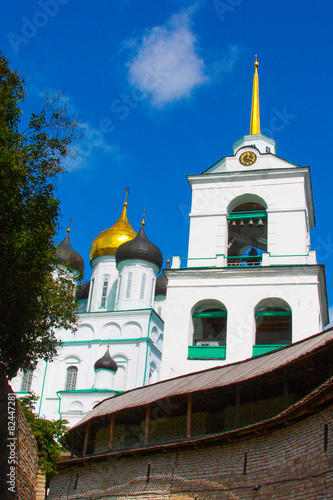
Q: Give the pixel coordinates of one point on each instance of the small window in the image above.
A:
(210, 327)
(143, 284)
(129, 285)
(26, 381)
(104, 291)
(273, 322)
(71, 378)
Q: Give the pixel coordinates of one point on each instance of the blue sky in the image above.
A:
(163, 89)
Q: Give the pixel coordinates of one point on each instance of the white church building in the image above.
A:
(250, 284)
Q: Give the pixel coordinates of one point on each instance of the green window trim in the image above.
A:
(245, 258)
(246, 215)
(273, 313)
(263, 349)
(206, 352)
(210, 314)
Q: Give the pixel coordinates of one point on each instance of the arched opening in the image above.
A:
(153, 375)
(71, 378)
(273, 318)
(26, 380)
(247, 231)
(209, 338)
(105, 290)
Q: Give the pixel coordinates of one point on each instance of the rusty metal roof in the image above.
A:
(209, 379)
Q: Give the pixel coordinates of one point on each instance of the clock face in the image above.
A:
(247, 158)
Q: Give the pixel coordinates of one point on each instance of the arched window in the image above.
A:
(26, 381)
(247, 231)
(71, 378)
(143, 284)
(129, 285)
(273, 320)
(104, 290)
(209, 330)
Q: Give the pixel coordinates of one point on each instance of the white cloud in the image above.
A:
(88, 147)
(92, 145)
(167, 66)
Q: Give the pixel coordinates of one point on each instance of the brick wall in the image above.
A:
(288, 463)
(23, 449)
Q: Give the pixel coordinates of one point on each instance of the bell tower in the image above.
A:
(251, 282)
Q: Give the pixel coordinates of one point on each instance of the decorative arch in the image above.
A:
(246, 198)
(85, 332)
(76, 406)
(209, 319)
(132, 329)
(153, 374)
(273, 319)
(72, 359)
(247, 230)
(110, 330)
(154, 334)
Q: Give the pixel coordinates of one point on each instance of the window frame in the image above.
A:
(70, 382)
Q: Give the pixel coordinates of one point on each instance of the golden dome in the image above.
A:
(108, 241)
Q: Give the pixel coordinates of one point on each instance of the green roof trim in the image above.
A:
(258, 350)
(273, 313)
(246, 215)
(210, 314)
(206, 352)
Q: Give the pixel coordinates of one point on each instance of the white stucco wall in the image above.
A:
(240, 290)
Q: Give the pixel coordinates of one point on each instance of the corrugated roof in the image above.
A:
(209, 379)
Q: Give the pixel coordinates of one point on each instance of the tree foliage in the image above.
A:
(49, 434)
(32, 303)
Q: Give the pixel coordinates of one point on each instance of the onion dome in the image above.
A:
(82, 291)
(66, 256)
(140, 248)
(106, 362)
(108, 241)
(161, 282)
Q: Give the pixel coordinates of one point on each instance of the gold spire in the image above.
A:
(143, 218)
(127, 191)
(108, 241)
(255, 112)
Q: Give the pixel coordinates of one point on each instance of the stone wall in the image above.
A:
(294, 462)
(18, 449)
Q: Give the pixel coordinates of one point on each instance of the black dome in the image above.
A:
(66, 256)
(106, 362)
(162, 282)
(161, 285)
(82, 291)
(140, 248)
